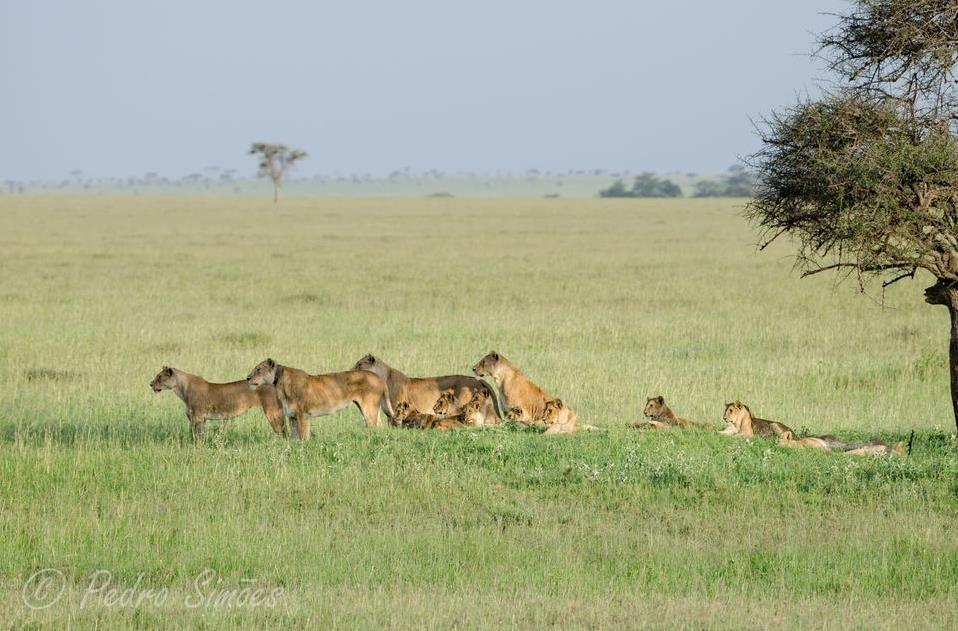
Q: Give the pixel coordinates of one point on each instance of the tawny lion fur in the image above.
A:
(739, 421)
(525, 400)
(423, 392)
(207, 401)
(660, 416)
(304, 396)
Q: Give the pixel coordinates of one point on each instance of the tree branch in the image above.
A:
(773, 238)
(910, 274)
(861, 268)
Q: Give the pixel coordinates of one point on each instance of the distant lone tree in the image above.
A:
(865, 178)
(275, 161)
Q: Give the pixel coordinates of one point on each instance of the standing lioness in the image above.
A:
(303, 395)
(518, 391)
(219, 401)
(423, 392)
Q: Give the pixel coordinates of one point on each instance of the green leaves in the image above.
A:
(866, 178)
(275, 161)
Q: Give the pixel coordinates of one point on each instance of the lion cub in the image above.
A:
(409, 418)
(469, 415)
(739, 421)
(661, 416)
(517, 415)
(557, 417)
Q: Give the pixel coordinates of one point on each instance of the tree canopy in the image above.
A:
(866, 177)
(275, 160)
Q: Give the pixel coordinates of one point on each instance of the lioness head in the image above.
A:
(786, 439)
(487, 364)
(373, 365)
(264, 373)
(445, 403)
(736, 413)
(366, 363)
(515, 413)
(654, 407)
(163, 380)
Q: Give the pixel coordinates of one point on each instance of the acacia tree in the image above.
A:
(865, 178)
(275, 160)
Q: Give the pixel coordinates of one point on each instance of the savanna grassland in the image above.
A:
(603, 302)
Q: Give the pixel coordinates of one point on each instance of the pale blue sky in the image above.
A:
(123, 87)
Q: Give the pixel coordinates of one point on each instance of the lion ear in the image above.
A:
(370, 358)
(270, 362)
(660, 399)
(558, 403)
(494, 355)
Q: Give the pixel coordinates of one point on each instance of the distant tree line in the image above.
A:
(736, 182)
(645, 185)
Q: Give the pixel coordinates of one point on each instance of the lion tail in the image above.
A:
(495, 399)
(386, 404)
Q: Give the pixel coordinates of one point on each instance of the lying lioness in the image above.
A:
(519, 392)
(876, 448)
(739, 420)
(207, 401)
(422, 392)
(787, 439)
(408, 417)
(660, 416)
(830, 443)
(558, 419)
(303, 395)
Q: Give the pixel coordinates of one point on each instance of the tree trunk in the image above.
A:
(275, 191)
(945, 293)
